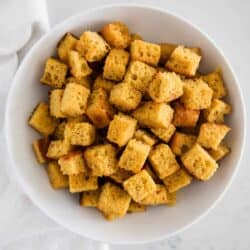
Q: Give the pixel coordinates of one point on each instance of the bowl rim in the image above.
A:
(16, 169)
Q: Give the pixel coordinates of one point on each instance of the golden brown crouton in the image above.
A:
(145, 137)
(58, 148)
(220, 152)
(100, 82)
(90, 198)
(101, 159)
(117, 35)
(145, 52)
(121, 129)
(166, 51)
(165, 87)
(164, 134)
(84, 81)
(163, 161)
(154, 115)
(54, 73)
(135, 207)
(99, 110)
(139, 186)
(113, 201)
(211, 134)
(56, 178)
(199, 163)
(134, 156)
(121, 175)
(77, 119)
(74, 100)
(40, 148)
(41, 120)
(56, 102)
(59, 131)
(183, 61)
(124, 97)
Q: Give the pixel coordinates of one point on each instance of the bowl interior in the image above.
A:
(154, 25)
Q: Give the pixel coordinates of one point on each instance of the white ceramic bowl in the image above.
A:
(194, 201)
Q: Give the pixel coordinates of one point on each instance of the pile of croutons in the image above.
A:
(128, 122)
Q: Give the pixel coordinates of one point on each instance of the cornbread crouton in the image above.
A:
(216, 83)
(166, 51)
(81, 133)
(56, 102)
(139, 75)
(145, 52)
(66, 44)
(124, 97)
(72, 163)
(84, 81)
(220, 152)
(135, 36)
(121, 175)
(140, 186)
(99, 110)
(164, 134)
(54, 73)
(92, 46)
(197, 94)
(165, 87)
(145, 137)
(121, 129)
(211, 134)
(177, 180)
(113, 201)
(135, 207)
(117, 35)
(101, 159)
(79, 67)
(184, 117)
(74, 100)
(217, 111)
(154, 115)
(134, 156)
(181, 143)
(41, 120)
(90, 198)
(199, 163)
(163, 161)
(183, 61)
(59, 131)
(56, 177)
(100, 82)
(115, 64)
(82, 182)
(40, 148)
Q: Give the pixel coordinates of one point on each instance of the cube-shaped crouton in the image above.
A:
(101, 83)
(183, 61)
(134, 156)
(181, 143)
(66, 44)
(211, 134)
(135, 36)
(145, 52)
(81, 133)
(115, 64)
(199, 163)
(216, 83)
(117, 35)
(92, 46)
(72, 163)
(40, 148)
(140, 186)
(220, 152)
(184, 117)
(145, 137)
(79, 67)
(82, 182)
(165, 87)
(58, 148)
(154, 115)
(99, 110)
(74, 100)
(177, 180)
(217, 111)
(139, 75)
(56, 177)
(197, 94)
(163, 161)
(84, 81)
(135, 207)
(121, 129)
(121, 175)
(164, 134)
(90, 198)
(113, 201)
(54, 73)
(41, 120)
(101, 159)
(125, 97)
(55, 101)
(166, 51)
